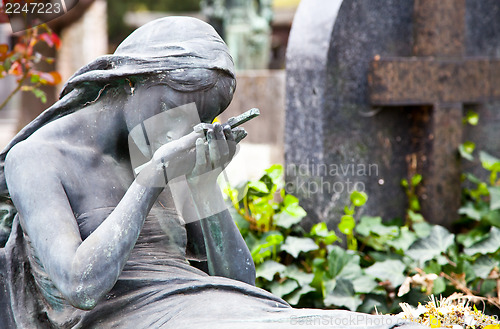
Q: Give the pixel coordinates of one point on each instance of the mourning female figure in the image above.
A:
(100, 242)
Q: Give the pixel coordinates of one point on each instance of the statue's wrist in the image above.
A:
(152, 175)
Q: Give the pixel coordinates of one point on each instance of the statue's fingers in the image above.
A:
(213, 149)
(231, 143)
(221, 141)
(201, 153)
(239, 133)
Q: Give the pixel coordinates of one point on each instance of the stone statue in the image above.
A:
(246, 27)
(101, 243)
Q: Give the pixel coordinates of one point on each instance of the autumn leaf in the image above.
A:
(4, 49)
(4, 52)
(48, 78)
(51, 39)
(16, 69)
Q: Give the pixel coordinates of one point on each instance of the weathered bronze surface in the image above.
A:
(98, 243)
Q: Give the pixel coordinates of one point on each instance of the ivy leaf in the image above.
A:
(320, 230)
(364, 284)
(294, 246)
(470, 211)
(417, 217)
(290, 199)
(293, 272)
(439, 286)
(291, 214)
(374, 225)
(283, 289)
(487, 287)
(416, 179)
(331, 238)
(337, 259)
(367, 223)
(349, 211)
(422, 229)
(488, 161)
(275, 172)
(467, 271)
(391, 269)
(483, 265)
(294, 209)
(358, 198)
(494, 197)
(492, 217)
(294, 298)
(274, 238)
(262, 248)
(285, 220)
(343, 295)
(404, 240)
(269, 268)
(471, 118)
(347, 224)
(470, 238)
(486, 246)
(427, 248)
(374, 302)
(376, 234)
(466, 150)
(343, 263)
(258, 186)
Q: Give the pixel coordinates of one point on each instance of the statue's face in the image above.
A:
(156, 114)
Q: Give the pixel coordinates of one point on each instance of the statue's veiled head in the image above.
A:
(183, 55)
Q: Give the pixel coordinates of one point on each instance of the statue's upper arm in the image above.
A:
(44, 209)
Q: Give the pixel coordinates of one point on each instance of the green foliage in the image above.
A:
(471, 118)
(347, 222)
(385, 262)
(410, 187)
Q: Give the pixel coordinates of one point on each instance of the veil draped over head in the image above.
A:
(171, 46)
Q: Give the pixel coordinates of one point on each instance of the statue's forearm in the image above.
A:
(227, 252)
(99, 259)
(104, 253)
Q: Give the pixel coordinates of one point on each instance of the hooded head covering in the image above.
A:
(171, 47)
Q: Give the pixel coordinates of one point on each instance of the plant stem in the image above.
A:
(19, 86)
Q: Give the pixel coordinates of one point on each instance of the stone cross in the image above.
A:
(347, 128)
(438, 75)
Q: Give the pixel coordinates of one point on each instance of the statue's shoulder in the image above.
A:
(29, 151)
(35, 160)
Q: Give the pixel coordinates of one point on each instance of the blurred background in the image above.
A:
(256, 32)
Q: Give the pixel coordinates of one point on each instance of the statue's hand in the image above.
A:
(171, 160)
(212, 156)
